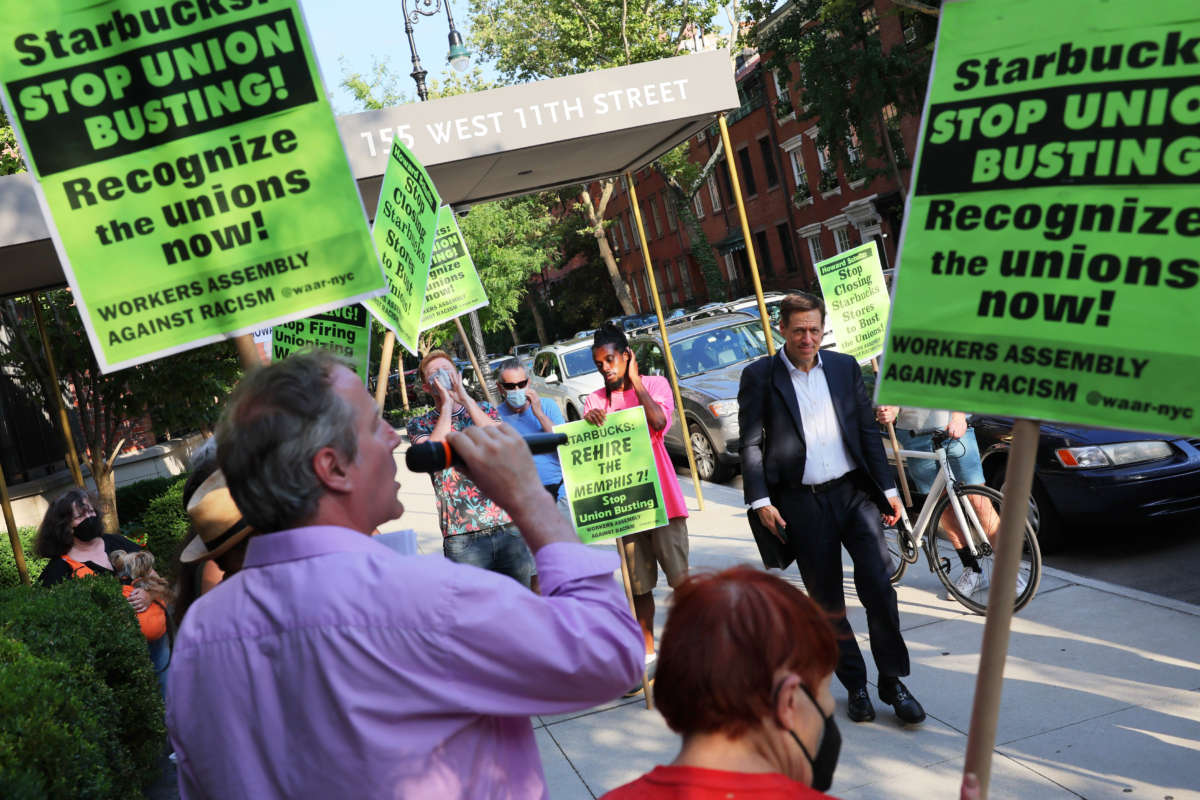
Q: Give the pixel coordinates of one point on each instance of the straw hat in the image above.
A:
(216, 520)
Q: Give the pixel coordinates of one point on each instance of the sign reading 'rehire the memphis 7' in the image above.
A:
(189, 160)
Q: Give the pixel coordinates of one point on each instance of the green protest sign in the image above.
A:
(189, 162)
(453, 287)
(856, 300)
(344, 331)
(1048, 265)
(610, 476)
(404, 232)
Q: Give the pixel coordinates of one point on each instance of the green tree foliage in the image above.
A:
(574, 36)
(846, 78)
(181, 393)
(10, 154)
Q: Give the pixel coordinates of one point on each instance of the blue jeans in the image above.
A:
(500, 549)
(963, 455)
(160, 657)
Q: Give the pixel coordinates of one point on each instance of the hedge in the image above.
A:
(133, 499)
(8, 563)
(82, 638)
(164, 524)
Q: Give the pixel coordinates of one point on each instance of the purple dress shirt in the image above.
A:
(330, 666)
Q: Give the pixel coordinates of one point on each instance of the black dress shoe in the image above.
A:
(858, 706)
(897, 696)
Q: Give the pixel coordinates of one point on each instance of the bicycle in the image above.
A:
(929, 535)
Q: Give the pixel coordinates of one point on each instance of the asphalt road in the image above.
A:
(1162, 559)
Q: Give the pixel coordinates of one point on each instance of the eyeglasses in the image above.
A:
(516, 385)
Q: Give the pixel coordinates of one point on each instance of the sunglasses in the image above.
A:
(517, 385)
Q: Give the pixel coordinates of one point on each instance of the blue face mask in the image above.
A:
(515, 397)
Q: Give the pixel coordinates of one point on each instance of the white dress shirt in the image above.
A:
(827, 457)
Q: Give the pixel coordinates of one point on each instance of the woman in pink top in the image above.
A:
(625, 387)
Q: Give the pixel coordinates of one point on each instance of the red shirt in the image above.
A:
(698, 783)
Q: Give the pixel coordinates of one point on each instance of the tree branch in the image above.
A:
(915, 5)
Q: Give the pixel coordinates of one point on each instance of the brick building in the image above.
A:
(801, 206)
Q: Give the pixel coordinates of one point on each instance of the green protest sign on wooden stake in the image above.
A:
(610, 475)
(404, 231)
(345, 331)
(453, 287)
(856, 300)
(191, 169)
(1048, 264)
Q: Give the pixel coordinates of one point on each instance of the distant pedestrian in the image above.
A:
(528, 413)
(625, 387)
(475, 530)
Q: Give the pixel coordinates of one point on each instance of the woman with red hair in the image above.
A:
(743, 676)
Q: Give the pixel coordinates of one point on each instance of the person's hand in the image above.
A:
(442, 396)
(632, 372)
(958, 425)
(770, 518)
(483, 447)
(595, 416)
(891, 519)
(534, 401)
(971, 790)
(140, 600)
(886, 414)
(457, 390)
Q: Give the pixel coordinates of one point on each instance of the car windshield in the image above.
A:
(577, 362)
(720, 348)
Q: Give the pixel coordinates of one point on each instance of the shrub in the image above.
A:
(133, 499)
(8, 562)
(398, 417)
(89, 627)
(53, 742)
(165, 523)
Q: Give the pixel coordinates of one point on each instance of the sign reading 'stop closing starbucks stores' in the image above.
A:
(1050, 263)
(188, 158)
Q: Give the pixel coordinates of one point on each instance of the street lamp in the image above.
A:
(459, 57)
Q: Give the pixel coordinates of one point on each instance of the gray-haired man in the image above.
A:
(528, 413)
(330, 661)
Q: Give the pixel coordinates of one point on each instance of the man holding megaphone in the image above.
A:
(475, 530)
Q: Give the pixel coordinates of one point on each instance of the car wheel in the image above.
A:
(1051, 533)
(572, 414)
(708, 467)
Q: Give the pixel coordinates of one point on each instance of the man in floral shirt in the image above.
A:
(475, 530)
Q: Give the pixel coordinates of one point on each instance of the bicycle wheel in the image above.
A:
(949, 568)
(896, 564)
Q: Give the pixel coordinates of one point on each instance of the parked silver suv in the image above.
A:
(565, 372)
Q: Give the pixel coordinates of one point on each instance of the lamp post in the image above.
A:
(458, 55)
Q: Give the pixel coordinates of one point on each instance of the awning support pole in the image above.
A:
(662, 330)
(64, 422)
(741, 207)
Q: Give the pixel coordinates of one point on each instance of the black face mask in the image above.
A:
(88, 529)
(827, 752)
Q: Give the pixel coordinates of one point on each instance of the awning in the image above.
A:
(476, 147)
(734, 240)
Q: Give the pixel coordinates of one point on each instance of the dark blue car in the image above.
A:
(1093, 477)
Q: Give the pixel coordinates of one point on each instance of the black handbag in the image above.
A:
(774, 553)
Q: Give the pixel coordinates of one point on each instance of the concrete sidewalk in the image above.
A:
(1101, 697)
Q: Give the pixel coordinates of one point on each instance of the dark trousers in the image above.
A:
(818, 525)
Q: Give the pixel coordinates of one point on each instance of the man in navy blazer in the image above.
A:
(816, 478)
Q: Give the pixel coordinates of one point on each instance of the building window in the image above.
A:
(781, 87)
(799, 174)
(685, 278)
(649, 294)
(747, 172)
(723, 179)
(841, 238)
(730, 269)
(669, 207)
(814, 249)
(785, 244)
(624, 232)
(768, 158)
(764, 254)
(713, 193)
(853, 147)
(658, 228)
(668, 281)
(698, 202)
